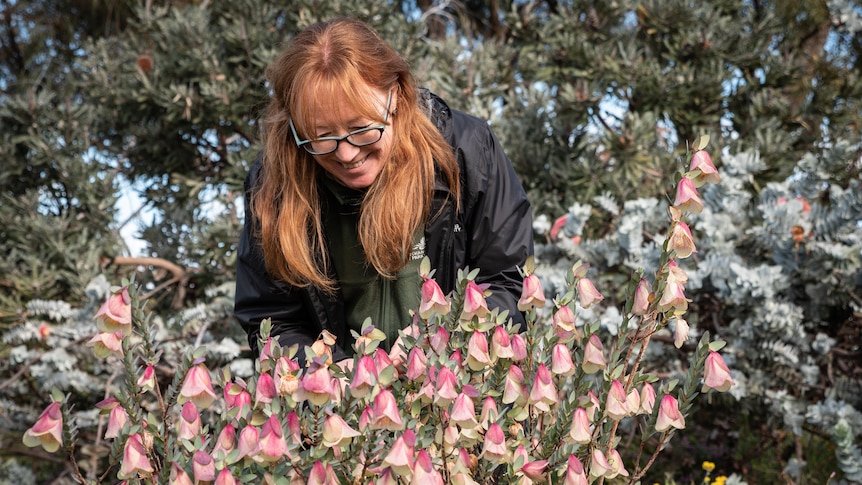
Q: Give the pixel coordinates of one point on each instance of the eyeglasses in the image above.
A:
(358, 138)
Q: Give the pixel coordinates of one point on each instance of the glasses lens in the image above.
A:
(365, 136)
(319, 147)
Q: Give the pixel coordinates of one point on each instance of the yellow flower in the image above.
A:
(708, 466)
(719, 480)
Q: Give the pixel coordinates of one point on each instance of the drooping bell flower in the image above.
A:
(564, 323)
(105, 344)
(673, 297)
(478, 357)
(495, 449)
(531, 294)
(383, 362)
(225, 442)
(400, 457)
(575, 474)
(446, 386)
(116, 420)
(147, 381)
(135, 461)
(599, 466)
(384, 412)
(544, 393)
(514, 390)
(464, 412)
(681, 242)
(532, 470)
(474, 302)
(594, 360)
(501, 345)
(716, 374)
(417, 364)
(47, 432)
(642, 298)
(580, 431)
(617, 466)
(203, 467)
(489, 412)
(440, 340)
(424, 472)
(336, 432)
(265, 390)
(364, 376)
(317, 384)
(587, 293)
(680, 332)
(248, 445)
(432, 301)
(236, 396)
(272, 445)
(197, 387)
(687, 198)
(519, 347)
(669, 415)
(616, 406)
(561, 360)
(647, 399)
(115, 315)
(190, 422)
(708, 173)
(675, 274)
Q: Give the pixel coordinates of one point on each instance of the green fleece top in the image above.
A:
(367, 294)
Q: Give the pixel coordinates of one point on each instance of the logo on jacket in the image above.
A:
(418, 251)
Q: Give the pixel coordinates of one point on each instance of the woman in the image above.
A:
(362, 176)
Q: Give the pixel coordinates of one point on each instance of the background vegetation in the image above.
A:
(594, 102)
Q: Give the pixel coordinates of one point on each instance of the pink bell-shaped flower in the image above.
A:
(681, 241)
(669, 415)
(616, 406)
(189, 422)
(272, 445)
(384, 412)
(115, 315)
(494, 448)
(575, 474)
(203, 467)
(531, 294)
(701, 161)
(400, 457)
(135, 461)
(478, 356)
(47, 432)
(687, 198)
(642, 298)
(197, 387)
(580, 431)
(432, 301)
(716, 374)
(594, 360)
(587, 293)
(336, 431)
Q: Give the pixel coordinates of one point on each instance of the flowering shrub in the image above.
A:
(464, 397)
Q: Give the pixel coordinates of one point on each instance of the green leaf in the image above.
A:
(425, 267)
(701, 142)
(717, 345)
(57, 395)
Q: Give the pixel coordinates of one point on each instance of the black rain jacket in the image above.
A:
(492, 231)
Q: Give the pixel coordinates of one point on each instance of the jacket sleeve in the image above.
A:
(258, 296)
(498, 216)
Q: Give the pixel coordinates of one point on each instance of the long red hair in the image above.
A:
(322, 61)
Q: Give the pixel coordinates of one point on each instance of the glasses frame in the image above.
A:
(306, 144)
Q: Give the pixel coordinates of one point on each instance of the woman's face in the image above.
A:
(355, 167)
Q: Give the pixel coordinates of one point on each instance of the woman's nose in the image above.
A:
(345, 151)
